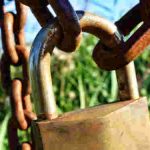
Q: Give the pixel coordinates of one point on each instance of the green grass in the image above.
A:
(79, 83)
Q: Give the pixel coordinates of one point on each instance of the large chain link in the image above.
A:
(128, 50)
(16, 54)
(67, 17)
(40, 10)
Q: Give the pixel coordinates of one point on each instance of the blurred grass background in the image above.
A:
(79, 83)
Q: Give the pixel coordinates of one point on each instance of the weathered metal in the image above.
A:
(127, 23)
(20, 104)
(127, 82)
(105, 127)
(8, 38)
(69, 22)
(145, 10)
(113, 58)
(12, 135)
(118, 126)
(13, 26)
(67, 18)
(13, 138)
(43, 46)
(15, 53)
(5, 74)
(40, 10)
(1, 10)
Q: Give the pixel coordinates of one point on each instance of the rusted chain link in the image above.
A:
(67, 17)
(113, 53)
(13, 138)
(145, 10)
(13, 32)
(15, 53)
(129, 20)
(1, 10)
(40, 10)
(114, 58)
(69, 22)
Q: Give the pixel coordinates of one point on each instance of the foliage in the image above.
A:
(79, 83)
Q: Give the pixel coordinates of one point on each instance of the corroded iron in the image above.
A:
(15, 53)
(13, 138)
(67, 18)
(95, 127)
(127, 82)
(114, 58)
(17, 104)
(40, 10)
(128, 51)
(127, 23)
(5, 74)
(34, 3)
(145, 10)
(69, 22)
(8, 38)
(117, 126)
(1, 10)
(13, 26)
(40, 57)
(106, 127)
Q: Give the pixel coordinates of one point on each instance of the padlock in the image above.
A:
(122, 125)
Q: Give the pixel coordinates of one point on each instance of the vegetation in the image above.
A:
(79, 83)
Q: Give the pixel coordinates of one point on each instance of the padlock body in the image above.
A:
(117, 126)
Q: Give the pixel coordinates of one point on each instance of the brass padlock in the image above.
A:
(117, 126)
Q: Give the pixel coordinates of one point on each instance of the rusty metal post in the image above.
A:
(127, 82)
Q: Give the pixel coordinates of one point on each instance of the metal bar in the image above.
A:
(1, 11)
(145, 10)
(129, 20)
(69, 22)
(127, 82)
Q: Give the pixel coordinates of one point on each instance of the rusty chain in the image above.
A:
(107, 56)
(15, 53)
(40, 10)
(107, 53)
(67, 17)
(1, 9)
(128, 50)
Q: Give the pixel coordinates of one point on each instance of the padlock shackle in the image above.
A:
(42, 48)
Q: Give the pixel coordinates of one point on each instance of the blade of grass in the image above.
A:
(3, 130)
(114, 87)
(81, 93)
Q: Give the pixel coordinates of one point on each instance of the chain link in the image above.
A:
(16, 54)
(128, 50)
(69, 22)
(1, 10)
(145, 11)
(40, 10)
(67, 17)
